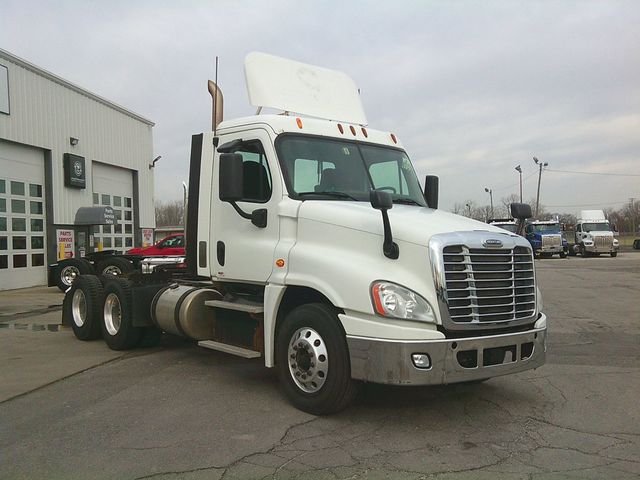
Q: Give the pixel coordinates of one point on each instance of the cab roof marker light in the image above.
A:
(299, 122)
(353, 130)
(364, 132)
(393, 137)
(340, 128)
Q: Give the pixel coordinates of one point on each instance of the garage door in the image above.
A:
(114, 186)
(22, 217)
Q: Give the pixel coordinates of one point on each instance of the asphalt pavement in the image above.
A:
(71, 409)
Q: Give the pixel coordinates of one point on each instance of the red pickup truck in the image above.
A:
(168, 246)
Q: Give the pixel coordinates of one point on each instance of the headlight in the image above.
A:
(615, 241)
(393, 300)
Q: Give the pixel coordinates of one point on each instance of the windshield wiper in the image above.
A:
(330, 194)
(407, 201)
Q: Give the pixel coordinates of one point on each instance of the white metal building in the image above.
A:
(62, 148)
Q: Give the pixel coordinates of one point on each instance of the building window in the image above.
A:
(121, 233)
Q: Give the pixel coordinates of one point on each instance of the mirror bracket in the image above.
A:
(381, 200)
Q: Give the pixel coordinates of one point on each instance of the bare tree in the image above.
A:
(505, 209)
(169, 214)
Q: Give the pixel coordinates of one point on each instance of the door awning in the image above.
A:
(95, 216)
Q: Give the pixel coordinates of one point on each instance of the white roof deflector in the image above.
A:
(276, 82)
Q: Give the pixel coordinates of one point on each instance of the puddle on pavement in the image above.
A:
(33, 327)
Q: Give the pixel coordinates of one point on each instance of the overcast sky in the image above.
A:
(472, 88)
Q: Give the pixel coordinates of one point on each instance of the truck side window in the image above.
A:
(579, 228)
(257, 177)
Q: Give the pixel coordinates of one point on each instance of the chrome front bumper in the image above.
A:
(452, 360)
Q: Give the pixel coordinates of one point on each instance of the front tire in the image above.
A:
(312, 360)
(117, 319)
(82, 307)
(614, 254)
(563, 254)
(68, 270)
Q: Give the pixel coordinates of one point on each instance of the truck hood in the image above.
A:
(409, 223)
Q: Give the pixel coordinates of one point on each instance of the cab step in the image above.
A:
(231, 349)
(238, 305)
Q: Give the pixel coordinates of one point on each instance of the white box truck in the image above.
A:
(311, 246)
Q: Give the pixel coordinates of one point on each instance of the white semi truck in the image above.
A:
(593, 235)
(311, 246)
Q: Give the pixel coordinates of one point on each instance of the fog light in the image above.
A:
(421, 360)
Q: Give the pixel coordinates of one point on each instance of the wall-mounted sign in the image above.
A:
(102, 215)
(4, 89)
(147, 237)
(66, 243)
(75, 175)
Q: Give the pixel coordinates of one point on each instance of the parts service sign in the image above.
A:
(65, 241)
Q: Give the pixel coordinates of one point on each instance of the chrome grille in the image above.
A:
(603, 241)
(551, 240)
(488, 285)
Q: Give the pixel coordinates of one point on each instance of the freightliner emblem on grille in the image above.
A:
(492, 243)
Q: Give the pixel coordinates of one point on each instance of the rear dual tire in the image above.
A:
(82, 307)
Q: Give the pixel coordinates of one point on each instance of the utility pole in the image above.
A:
(490, 192)
(469, 209)
(519, 170)
(632, 214)
(540, 164)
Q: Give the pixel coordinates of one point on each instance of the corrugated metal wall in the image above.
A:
(45, 113)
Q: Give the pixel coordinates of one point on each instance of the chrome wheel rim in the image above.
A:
(308, 360)
(112, 314)
(112, 270)
(79, 308)
(69, 274)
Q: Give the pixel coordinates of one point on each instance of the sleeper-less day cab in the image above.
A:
(311, 245)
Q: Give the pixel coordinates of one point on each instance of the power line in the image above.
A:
(517, 183)
(587, 204)
(595, 173)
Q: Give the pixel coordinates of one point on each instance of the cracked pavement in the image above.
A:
(180, 412)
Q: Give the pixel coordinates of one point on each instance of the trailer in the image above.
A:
(312, 248)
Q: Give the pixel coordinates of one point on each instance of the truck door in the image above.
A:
(241, 251)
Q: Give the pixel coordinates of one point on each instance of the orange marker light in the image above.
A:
(353, 130)
(340, 128)
(299, 122)
(364, 132)
(280, 263)
(393, 137)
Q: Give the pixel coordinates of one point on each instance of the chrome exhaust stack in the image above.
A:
(218, 104)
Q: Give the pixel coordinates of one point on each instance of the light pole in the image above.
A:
(540, 164)
(469, 209)
(490, 192)
(519, 169)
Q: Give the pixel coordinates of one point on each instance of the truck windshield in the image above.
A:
(322, 168)
(596, 227)
(508, 226)
(548, 228)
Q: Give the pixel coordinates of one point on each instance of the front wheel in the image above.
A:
(312, 360)
(68, 270)
(563, 254)
(614, 254)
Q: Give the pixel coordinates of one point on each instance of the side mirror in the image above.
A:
(231, 177)
(380, 200)
(431, 187)
(521, 211)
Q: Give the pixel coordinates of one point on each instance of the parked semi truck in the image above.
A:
(593, 235)
(311, 246)
(168, 252)
(508, 224)
(545, 237)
